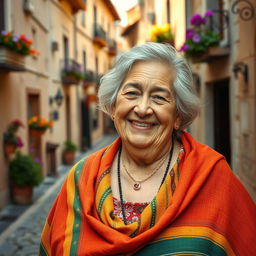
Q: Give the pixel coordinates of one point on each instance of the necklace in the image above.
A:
(137, 183)
(119, 177)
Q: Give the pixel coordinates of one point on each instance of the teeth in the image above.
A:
(141, 124)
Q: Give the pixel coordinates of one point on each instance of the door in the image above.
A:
(222, 118)
(34, 142)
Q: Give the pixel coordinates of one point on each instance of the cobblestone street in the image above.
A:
(22, 237)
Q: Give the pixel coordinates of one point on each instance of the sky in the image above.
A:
(122, 6)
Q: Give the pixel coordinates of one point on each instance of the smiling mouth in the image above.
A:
(142, 124)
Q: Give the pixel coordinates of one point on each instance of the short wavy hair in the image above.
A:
(187, 101)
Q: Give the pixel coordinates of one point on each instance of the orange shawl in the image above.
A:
(210, 212)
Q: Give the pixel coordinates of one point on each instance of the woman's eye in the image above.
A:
(132, 93)
(159, 98)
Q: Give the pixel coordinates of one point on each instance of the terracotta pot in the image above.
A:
(36, 133)
(22, 195)
(68, 158)
(9, 149)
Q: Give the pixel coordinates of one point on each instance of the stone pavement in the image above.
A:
(21, 237)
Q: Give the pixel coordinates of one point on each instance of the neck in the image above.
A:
(143, 157)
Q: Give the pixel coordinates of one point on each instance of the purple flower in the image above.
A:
(197, 19)
(184, 48)
(15, 38)
(208, 13)
(37, 159)
(31, 150)
(189, 33)
(196, 38)
(4, 33)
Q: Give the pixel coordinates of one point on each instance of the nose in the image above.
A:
(143, 107)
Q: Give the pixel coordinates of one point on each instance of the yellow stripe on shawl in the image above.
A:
(201, 232)
(45, 238)
(164, 195)
(70, 218)
(105, 207)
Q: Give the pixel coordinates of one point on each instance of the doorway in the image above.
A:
(34, 142)
(221, 115)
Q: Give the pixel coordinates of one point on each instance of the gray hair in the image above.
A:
(187, 101)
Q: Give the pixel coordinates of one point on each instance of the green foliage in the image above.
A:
(200, 36)
(25, 171)
(70, 146)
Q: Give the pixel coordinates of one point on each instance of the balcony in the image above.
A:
(10, 60)
(112, 47)
(89, 78)
(71, 72)
(99, 36)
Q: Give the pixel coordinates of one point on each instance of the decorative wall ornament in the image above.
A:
(243, 68)
(246, 12)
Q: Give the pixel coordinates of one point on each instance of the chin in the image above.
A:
(140, 142)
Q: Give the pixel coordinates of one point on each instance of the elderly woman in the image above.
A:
(155, 190)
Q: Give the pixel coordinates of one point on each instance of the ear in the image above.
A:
(113, 110)
(177, 123)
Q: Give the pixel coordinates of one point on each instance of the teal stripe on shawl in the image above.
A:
(42, 251)
(182, 246)
(77, 210)
(106, 193)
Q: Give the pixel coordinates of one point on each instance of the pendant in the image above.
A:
(136, 186)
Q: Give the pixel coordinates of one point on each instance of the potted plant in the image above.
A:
(199, 38)
(72, 73)
(11, 140)
(38, 125)
(25, 173)
(69, 151)
(161, 34)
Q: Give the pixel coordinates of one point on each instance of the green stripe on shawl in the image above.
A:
(182, 246)
(106, 193)
(77, 211)
(42, 251)
(153, 210)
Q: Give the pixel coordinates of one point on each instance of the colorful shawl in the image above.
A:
(210, 213)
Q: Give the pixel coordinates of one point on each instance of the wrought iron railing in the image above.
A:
(99, 32)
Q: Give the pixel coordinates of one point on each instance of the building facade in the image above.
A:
(70, 36)
(224, 77)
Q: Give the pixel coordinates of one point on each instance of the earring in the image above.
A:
(176, 127)
(113, 117)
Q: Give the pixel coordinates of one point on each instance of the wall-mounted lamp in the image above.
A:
(51, 100)
(241, 67)
(59, 97)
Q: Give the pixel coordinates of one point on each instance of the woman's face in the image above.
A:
(145, 111)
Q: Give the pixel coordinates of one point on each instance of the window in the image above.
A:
(65, 50)
(83, 21)
(2, 21)
(84, 59)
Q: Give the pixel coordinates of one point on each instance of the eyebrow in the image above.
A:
(154, 88)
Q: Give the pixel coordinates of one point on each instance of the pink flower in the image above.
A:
(20, 143)
(189, 33)
(208, 13)
(184, 48)
(197, 19)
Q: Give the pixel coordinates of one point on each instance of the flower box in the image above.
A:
(10, 60)
(68, 79)
(213, 53)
